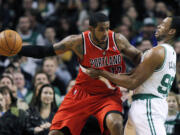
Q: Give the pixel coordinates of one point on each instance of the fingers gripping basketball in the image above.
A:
(10, 43)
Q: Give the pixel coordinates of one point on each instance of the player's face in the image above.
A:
(163, 29)
(100, 32)
(172, 103)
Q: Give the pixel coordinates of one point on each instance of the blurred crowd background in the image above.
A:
(31, 90)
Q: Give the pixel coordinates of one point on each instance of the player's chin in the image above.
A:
(156, 35)
(103, 41)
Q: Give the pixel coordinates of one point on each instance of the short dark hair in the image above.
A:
(95, 18)
(175, 24)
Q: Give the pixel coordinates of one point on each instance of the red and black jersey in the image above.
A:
(109, 59)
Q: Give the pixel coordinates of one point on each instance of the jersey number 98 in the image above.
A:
(166, 84)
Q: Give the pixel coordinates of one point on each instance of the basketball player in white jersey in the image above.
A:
(151, 81)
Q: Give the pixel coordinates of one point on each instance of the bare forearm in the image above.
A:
(119, 79)
(137, 59)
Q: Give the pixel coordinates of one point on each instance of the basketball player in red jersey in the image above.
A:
(99, 48)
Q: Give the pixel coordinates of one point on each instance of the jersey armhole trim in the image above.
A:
(162, 66)
(114, 39)
(84, 44)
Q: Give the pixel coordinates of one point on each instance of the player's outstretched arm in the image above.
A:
(127, 49)
(152, 60)
(36, 51)
(73, 43)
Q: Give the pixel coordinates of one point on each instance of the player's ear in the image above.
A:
(172, 31)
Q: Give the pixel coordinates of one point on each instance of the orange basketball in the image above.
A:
(10, 43)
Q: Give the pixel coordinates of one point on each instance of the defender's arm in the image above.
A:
(153, 60)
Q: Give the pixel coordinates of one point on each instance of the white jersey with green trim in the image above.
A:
(160, 82)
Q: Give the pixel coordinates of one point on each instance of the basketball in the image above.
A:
(10, 43)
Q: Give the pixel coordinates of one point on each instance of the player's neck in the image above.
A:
(168, 40)
(94, 40)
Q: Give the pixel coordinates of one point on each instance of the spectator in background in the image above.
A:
(132, 13)
(64, 28)
(41, 113)
(6, 80)
(84, 25)
(15, 66)
(12, 89)
(62, 71)
(149, 6)
(9, 13)
(39, 79)
(9, 98)
(124, 30)
(28, 36)
(126, 21)
(159, 16)
(26, 7)
(127, 4)
(173, 114)
(13, 119)
(92, 6)
(147, 32)
(67, 9)
(50, 36)
(19, 81)
(50, 67)
(161, 7)
(28, 66)
(177, 77)
(2, 105)
(4, 62)
(144, 45)
(44, 7)
(177, 47)
(37, 24)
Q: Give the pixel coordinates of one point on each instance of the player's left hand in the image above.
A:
(94, 73)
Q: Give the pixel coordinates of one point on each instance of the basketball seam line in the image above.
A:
(7, 42)
(17, 48)
(14, 44)
(2, 47)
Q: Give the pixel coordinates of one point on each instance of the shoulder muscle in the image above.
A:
(72, 42)
(127, 49)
